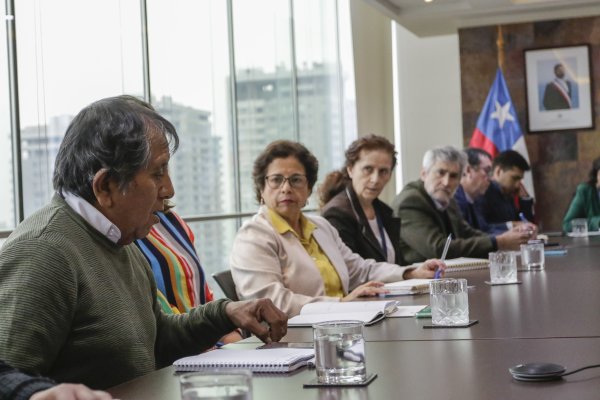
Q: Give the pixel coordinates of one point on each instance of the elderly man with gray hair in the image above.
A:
(78, 298)
(429, 213)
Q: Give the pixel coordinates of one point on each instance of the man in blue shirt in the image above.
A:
(474, 182)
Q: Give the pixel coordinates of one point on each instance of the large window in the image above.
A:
(189, 80)
(70, 53)
(263, 83)
(232, 76)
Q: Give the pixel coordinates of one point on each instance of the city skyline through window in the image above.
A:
(288, 83)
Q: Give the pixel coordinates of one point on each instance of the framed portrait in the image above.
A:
(559, 88)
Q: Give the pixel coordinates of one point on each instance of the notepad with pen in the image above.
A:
(277, 360)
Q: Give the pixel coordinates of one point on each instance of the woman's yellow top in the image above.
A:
(331, 279)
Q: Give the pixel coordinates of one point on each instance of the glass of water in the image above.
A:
(532, 256)
(503, 267)
(340, 352)
(449, 302)
(579, 227)
(217, 384)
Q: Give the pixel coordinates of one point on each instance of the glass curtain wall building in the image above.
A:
(231, 75)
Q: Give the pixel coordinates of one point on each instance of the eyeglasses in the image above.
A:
(276, 181)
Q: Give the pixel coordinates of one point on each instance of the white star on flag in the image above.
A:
(502, 113)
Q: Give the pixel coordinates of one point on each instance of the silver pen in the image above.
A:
(438, 273)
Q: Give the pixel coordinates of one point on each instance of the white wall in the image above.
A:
(373, 72)
(429, 97)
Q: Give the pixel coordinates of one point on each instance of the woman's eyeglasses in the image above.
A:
(276, 181)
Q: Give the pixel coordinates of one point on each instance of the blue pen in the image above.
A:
(438, 273)
(525, 221)
(522, 218)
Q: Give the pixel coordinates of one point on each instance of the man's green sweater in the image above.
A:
(78, 308)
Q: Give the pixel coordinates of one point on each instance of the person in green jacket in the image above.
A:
(586, 202)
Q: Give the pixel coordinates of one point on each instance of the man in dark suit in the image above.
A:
(473, 184)
(505, 202)
(557, 95)
(428, 214)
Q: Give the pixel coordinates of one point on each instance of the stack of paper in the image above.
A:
(409, 286)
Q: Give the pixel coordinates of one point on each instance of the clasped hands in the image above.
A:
(260, 317)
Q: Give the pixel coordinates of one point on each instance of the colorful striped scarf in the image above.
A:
(169, 248)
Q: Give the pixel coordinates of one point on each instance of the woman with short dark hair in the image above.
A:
(293, 258)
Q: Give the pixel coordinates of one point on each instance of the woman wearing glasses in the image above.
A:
(292, 258)
(349, 200)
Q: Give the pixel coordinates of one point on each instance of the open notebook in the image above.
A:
(257, 360)
(368, 312)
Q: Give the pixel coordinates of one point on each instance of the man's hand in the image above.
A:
(526, 227)
(510, 240)
(68, 391)
(425, 270)
(260, 317)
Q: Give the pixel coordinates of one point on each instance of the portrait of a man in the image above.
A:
(559, 88)
(558, 94)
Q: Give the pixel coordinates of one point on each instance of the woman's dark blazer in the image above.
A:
(345, 213)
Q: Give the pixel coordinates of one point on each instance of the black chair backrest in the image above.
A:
(225, 282)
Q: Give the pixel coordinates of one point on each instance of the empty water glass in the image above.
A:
(503, 267)
(449, 302)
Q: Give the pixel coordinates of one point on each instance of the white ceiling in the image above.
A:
(440, 17)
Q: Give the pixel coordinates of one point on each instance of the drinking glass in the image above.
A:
(340, 352)
(223, 384)
(579, 227)
(503, 267)
(532, 256)
(449, 302)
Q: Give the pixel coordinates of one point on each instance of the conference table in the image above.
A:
(552, 316)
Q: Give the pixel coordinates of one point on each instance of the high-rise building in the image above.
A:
(195, 170)
(39, 146)
(265, 113)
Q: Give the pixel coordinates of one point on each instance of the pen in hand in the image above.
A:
(526, 223)
(522, 218)
(438, 273)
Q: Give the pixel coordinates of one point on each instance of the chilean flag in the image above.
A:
(498, 129)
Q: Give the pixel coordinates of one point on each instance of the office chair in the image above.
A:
(225, 282)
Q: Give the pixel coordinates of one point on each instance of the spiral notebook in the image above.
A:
(466, 264)
(463, 264)
(279, 360)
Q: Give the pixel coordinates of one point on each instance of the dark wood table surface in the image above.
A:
(552, 316)
(458, 369)
(561, 301)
